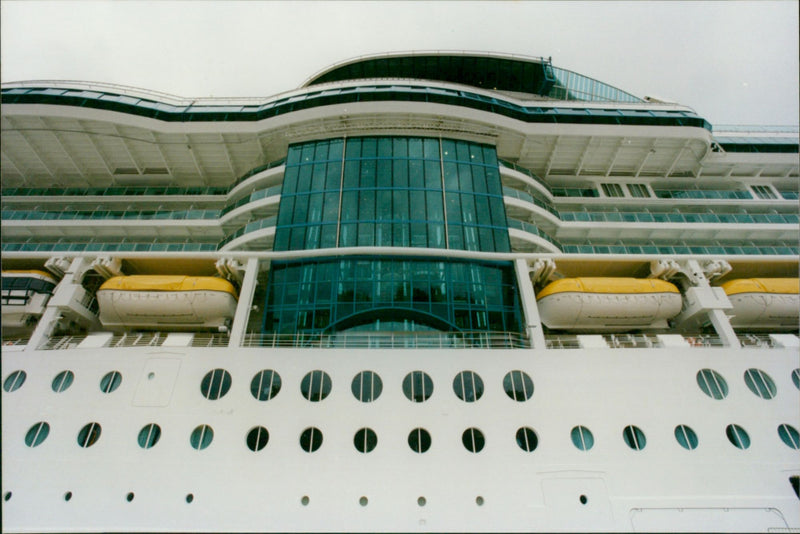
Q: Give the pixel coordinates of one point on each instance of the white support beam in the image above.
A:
(614, 157)
(245, 302)
(13, 164)
(157, 144)
(127, 148)
(583, 156)
(90, 136)
(530, 311)
(650, 152)
(195, 160)
(224, 146)
(60, 144)
(552, 157)
(677, 159)
(36, 153)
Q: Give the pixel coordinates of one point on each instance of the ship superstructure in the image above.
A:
(424, 291)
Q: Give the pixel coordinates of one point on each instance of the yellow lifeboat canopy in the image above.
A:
(166, 302)
(605, 304)
(764, 303)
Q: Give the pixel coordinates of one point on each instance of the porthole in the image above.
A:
(468, 386)
(365, 440)
(110, 381)
(760, 383)
(367, 386)
(63, 381)
(796, 378)
(305, 500)
(738, 436)
(518, 385)
(712, 384)
(311, 439)
(129, 497)
(479, 500)
(582, 438)
(418, 386)
(14, 381)
(686, 437)
(149, 435)
(419, 440)
(363, 501)
(265, 385)
(189, 498)
(795, 483)
(201, 437)
(634, 437)
(37, 434)
(257, 438)
(583, 499)
(527, 439)
(89, 435)
(473, 440)
(422, 501)
(789, 436)
(68, 496)
(315, 386)
(7, 496)
(215, 384)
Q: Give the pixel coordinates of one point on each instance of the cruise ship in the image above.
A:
(447, 291)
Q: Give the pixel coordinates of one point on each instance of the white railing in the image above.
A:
(392, 340)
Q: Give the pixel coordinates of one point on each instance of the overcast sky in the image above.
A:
(733, 62)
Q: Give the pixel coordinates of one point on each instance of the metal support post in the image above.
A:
(533, 324)
(246, 293)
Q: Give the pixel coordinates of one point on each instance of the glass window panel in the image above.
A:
(351, 174)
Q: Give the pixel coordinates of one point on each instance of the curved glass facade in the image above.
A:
(391, 294)
(391, 192)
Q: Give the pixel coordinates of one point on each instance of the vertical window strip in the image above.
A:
(341, 188)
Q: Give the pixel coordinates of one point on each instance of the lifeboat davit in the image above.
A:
(24, 297)
(764, 303)
(161, 302)
(608, 304)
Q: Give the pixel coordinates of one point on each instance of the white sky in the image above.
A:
(733, 62)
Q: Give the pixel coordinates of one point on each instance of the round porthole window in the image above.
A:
(265, 385)
(634, 437)
(527, 439)
(89, 435)
(216, 384)
(149, 435)
(201, 437)
(518, 385)
(796, 378)
(419, 440)
(712, 384)
(686, 437)
(14, 381)
(315, 386)
(37, 434)
(365, 440)
(257, 438)
(63, 381)
(789, 436)
(311, 439)
(417, 386)
(473, 440)
(582, 438)
(468, 386)
(760, 383)
(110, 381)
(738, 436)
(367, 386)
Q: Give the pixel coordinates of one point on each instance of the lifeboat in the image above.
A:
(608, 304)
(161, 302)
(24, 297)
(764, 303)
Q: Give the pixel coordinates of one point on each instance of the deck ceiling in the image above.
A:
(41, 150)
